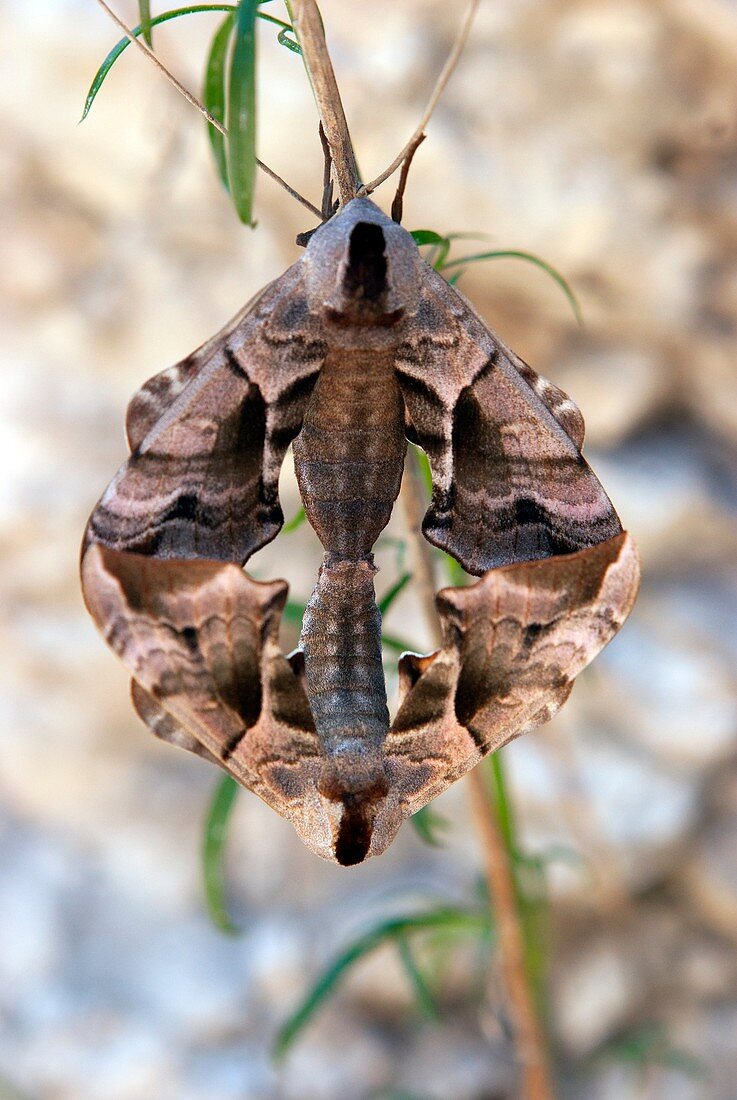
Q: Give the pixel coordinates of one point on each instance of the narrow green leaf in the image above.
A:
(440, 246)
(428, 825)
(456, 573)
(399, 645)
(423, 994)
(424, 463)
(426, 236)
(387, 930)
(294, 612)
(529, 257)
(213, 93)
(503, 802)
(296, 521)
(396, 589)
(650, 1045)
(121, 46)
(241, 140)
(213, 849)
(144, 14)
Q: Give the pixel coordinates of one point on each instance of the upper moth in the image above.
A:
(358, 347)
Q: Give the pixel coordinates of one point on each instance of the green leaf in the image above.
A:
(423, 994)
(213, 93)
(649, 1045)
(385, 931)
(456, 573)
(399, 645)
(424, 463)
(213, 849)
(144, 14)
(241, 139)
(426, 236)
(294, 612)
(296, 521)
(440, 246)
(428, 824)
(529, 257)
(398, 587)
(121, 46)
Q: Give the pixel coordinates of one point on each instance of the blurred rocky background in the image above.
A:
(599, 134)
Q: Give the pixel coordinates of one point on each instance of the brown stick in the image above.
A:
(535, 1083)
(308, 27)
(529, 1038)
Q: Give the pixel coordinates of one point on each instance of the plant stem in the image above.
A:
(307, 23)
(535, 1083)
(495, 830)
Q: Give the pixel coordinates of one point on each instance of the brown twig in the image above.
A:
(191, 99)
(445, 75)
(535, 1081)
(308, 27)
(529, 1038)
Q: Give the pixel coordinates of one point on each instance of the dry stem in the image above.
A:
(529, 1038)
(308, 27)
(149, 53)
(445, 75)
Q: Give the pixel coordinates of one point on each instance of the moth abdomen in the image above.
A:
(349, 455)
(341, 640)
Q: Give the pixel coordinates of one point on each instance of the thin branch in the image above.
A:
(311, 36)
(191, 99)
(530, 1043)
(445, 75)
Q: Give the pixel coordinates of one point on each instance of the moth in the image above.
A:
(357, 348)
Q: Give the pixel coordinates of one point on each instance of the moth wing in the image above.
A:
(210, 434)
(513, 644)
(200, 639)
(509, 481)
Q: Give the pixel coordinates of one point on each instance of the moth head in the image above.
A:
(362, 268)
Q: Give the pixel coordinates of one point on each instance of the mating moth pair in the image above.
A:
(357, 348)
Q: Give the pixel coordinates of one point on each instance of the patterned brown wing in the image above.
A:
(509, 481)
(201, 641)
(513, 644)
(209, 436)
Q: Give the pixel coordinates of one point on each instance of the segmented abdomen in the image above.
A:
(341, 639)
(349, 455)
